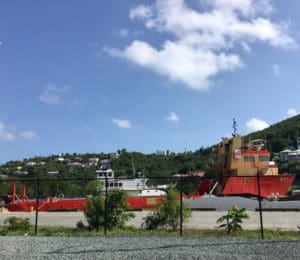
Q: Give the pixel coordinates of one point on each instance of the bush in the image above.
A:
(168, 212)
(116, 209)
(80, 225)
(94, 211)
(16, 224)
(233, 219)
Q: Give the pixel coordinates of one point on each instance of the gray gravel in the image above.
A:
(145, 248)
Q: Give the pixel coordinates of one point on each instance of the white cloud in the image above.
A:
(122, 123)
(51, 94)
(180, 62)
(140, 11)
(10, 134)
(6, 133)
(275, 69)
(201, 41)
(256, 125)
(292, 112)
(246, 47)
(173, 117)
(126, 32)
(29, 135)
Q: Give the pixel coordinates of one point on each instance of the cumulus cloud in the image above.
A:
(51, 94)
(292, 112)
(255, 124)
(122, 123)
(28, 135)
(201, 41)
(172, 117)
(6, 133)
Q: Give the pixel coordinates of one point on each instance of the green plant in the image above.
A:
(116, 209)
(94, 211)
(3, 231)
(233, 219)
(16, 223)
(168, 212)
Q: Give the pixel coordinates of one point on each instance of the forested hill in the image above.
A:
(281, 135)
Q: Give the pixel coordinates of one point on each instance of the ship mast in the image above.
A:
(234, 126)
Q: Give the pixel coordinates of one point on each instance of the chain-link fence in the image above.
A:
(60, 202)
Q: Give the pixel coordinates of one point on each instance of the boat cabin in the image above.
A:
(233, 158)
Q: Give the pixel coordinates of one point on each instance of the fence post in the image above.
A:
(105, 209)
(37, 205)
(259, 204)
(181, 220)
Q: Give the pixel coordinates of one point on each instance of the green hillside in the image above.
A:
(281, 135)
(132, 164)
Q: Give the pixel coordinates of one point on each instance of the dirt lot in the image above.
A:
(199, 220)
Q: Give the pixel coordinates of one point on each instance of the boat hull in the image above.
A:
(270, 186)
(136, 203)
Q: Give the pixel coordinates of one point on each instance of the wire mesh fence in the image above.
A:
(61, 202)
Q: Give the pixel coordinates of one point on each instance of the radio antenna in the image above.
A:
(234, 126)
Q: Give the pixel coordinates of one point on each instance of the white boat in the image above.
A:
(134, 187)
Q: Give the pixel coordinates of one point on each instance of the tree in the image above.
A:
(168, 212)
(233, 219)
(116, 211)
(94, 210)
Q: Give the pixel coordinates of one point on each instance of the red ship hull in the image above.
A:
(77, 204)
(270, 186)
(15, 202)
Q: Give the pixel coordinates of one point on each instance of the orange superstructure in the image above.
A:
(238, 165)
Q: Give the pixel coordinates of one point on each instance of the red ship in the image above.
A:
(15, 202)
(245, 170)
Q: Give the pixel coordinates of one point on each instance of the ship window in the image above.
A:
(109, 174)
(248, 158)
(111, 185)
(263, 158)
(120, 184)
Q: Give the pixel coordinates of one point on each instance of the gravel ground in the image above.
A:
(145, 248)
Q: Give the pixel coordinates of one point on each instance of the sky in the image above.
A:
(98, 76)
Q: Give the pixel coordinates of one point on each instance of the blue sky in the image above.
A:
(97, 76)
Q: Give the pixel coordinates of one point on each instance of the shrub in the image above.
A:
(168, 212)
(80, 225)
(94, 211)
(233, 219)
(116, 209)
(16, 224)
